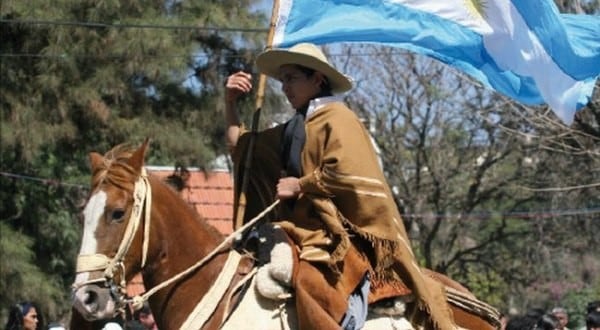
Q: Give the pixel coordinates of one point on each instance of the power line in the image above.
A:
(50, 182)
(537, 214)
(95, 56)
(131, 25)
(158, 26)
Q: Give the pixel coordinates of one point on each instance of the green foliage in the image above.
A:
(575, 302)
(71, 89)
(464, 166)
(486, 284)
(21, 278)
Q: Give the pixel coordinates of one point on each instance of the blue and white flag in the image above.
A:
(524, 49)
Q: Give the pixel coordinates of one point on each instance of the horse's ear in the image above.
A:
(137, 159)
(96, 160)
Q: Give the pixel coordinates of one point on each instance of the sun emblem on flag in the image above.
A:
(476, 8)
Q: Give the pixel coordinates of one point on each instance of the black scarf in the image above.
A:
(294, 137)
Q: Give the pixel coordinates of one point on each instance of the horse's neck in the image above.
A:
(179, 240)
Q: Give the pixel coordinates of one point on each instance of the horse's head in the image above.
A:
(112, 216)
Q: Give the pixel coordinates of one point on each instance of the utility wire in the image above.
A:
(95, 56)
(158, 26)
(52, 182)
(537, 214)
(130, 25)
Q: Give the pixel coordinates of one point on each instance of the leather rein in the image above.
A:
(115, 266)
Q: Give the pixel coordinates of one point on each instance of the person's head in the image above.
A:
(145, 317)
(593, 306)
(535, 312)
(24, 316)
(592, 320)
(562, 316)
(304, 71)
(548, 322)
(521, 322)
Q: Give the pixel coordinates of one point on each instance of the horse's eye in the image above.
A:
(117, 215)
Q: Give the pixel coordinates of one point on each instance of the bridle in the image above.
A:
(142, 203)
(115, 265)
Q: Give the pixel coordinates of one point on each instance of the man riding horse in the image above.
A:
(337, 206)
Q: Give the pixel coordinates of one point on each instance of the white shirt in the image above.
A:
(315, 104)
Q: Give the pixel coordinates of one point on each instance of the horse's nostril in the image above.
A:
(90, 297)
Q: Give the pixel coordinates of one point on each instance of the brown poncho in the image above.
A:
(345, 202)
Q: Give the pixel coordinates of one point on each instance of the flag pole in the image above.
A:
(260, 96)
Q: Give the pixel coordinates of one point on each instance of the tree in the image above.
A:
(469, 170)
(81, 76)
(20, 277)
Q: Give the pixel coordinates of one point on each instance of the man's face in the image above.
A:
(147, 320)
(297, 86)
(563, 319)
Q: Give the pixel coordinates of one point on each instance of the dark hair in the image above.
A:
(521, 322)
(535, 312)
(592, 319)
(325, 85)
(17, 313)
(547, 322)
(593, 306)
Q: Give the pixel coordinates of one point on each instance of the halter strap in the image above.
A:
(147, 210)
(208, 304)
(91, 262)
(142, 193)
(141, 204)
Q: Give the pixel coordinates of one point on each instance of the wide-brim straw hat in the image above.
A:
(307, 55)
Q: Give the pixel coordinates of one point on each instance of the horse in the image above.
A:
(134, 222)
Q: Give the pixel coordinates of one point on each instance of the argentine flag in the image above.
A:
(524, 49)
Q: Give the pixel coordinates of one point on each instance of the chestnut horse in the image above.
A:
(134, 222)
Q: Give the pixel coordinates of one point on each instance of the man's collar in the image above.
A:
(318, 103)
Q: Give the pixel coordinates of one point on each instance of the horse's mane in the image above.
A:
(115, 168)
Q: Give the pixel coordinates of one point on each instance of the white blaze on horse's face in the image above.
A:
(91, 214)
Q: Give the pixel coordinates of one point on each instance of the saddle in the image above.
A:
(321, 296)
